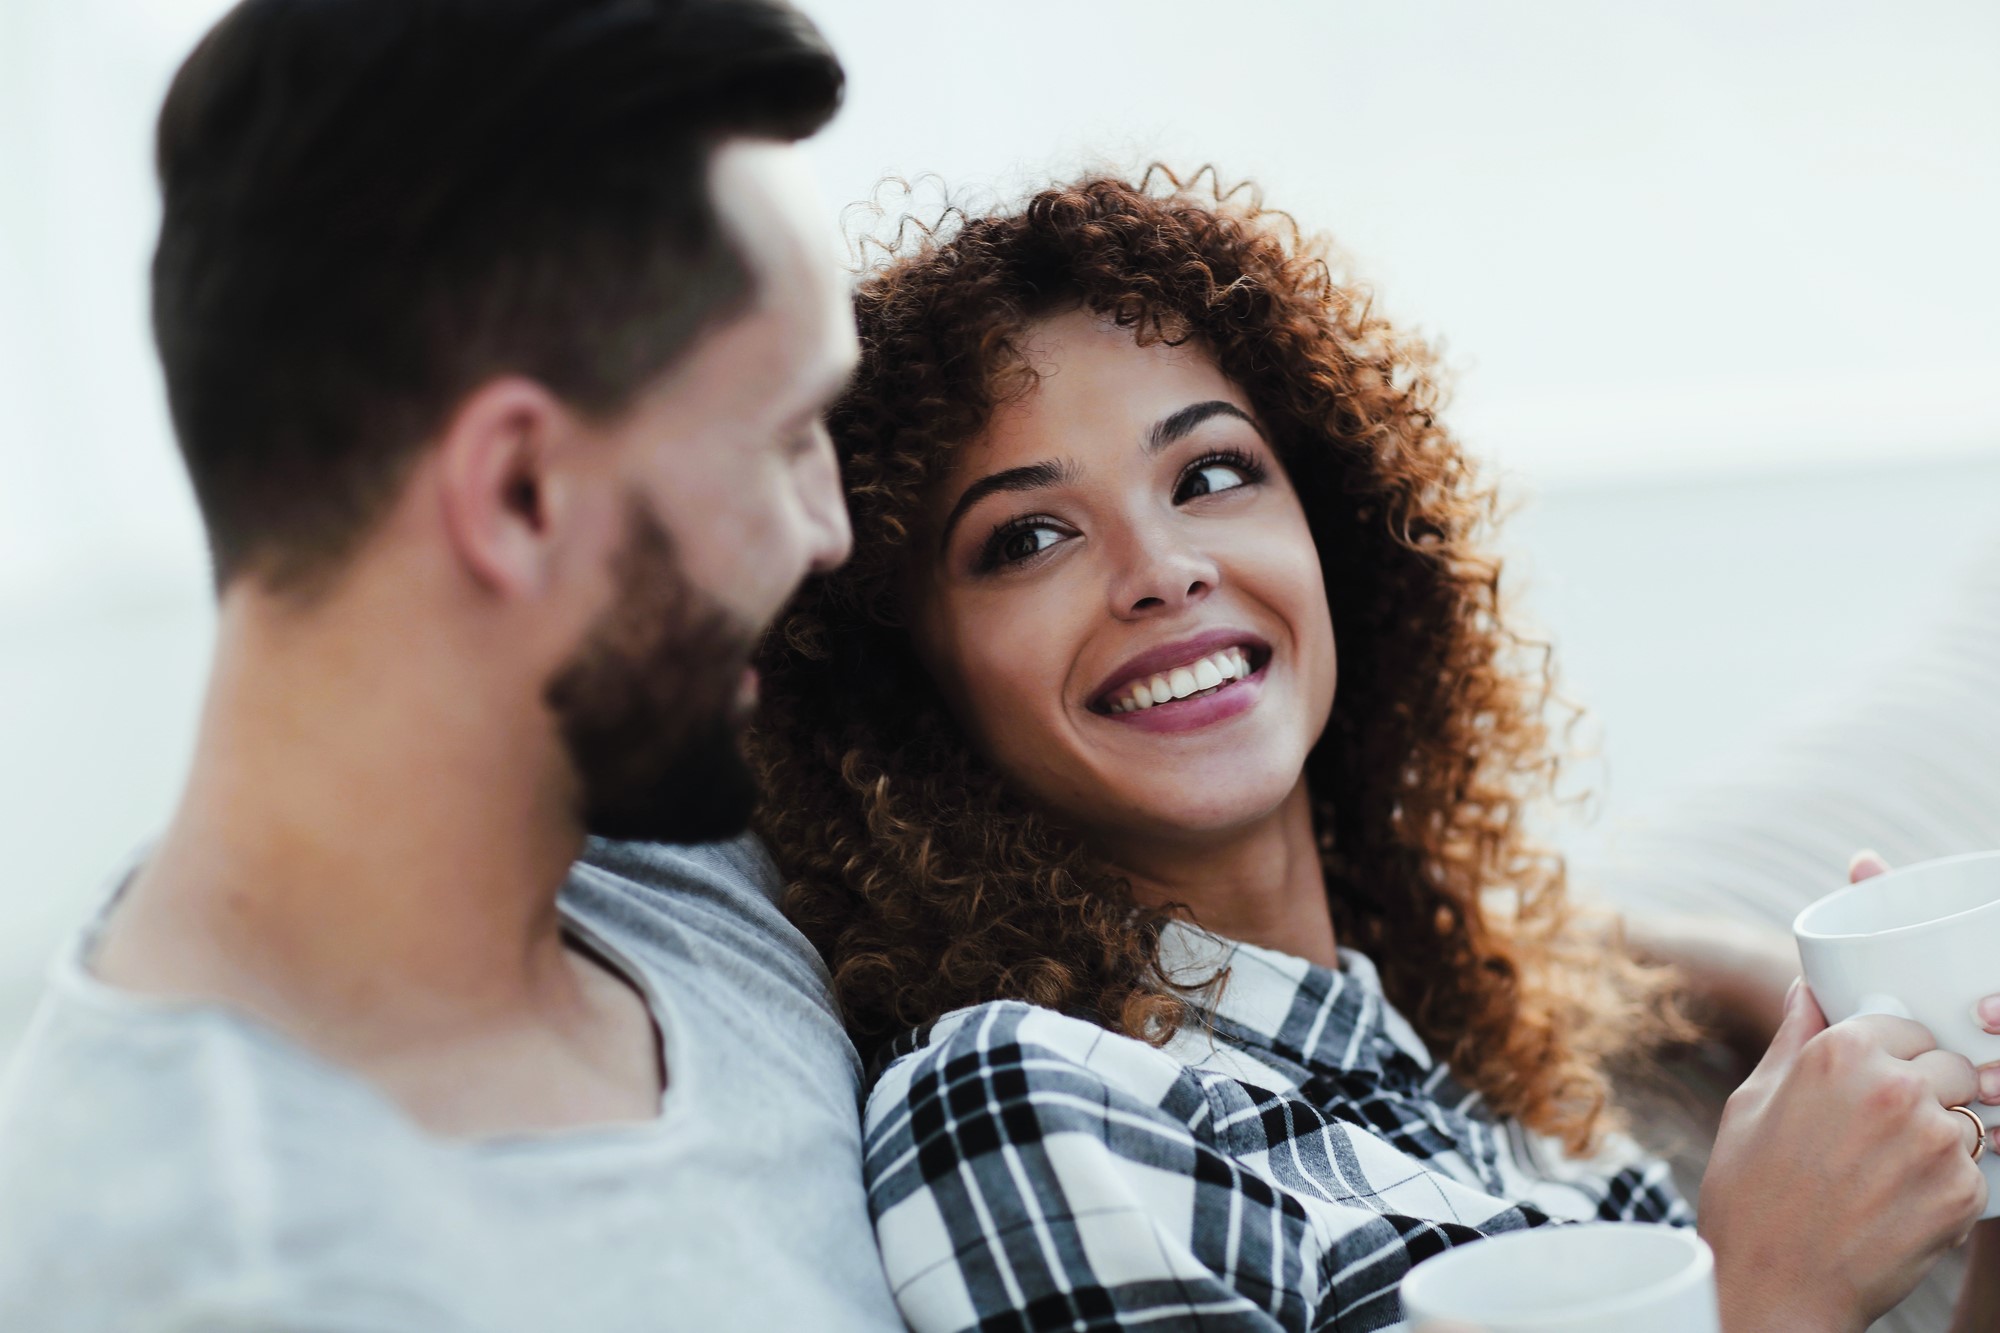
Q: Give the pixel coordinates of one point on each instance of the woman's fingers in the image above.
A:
(1899, 1037)
(1865, 865)
(1951, 1079)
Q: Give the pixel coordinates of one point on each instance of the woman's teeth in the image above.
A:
(1203, 677)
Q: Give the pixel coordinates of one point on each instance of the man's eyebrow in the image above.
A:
(1179, 425)
(1032, 477)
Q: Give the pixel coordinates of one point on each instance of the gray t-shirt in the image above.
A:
(176, 1166)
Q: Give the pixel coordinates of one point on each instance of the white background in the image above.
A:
(1719, 281)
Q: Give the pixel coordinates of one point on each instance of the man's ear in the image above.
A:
(497, 485)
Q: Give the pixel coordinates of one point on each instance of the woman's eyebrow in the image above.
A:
(1032, 477)
(1179, 425)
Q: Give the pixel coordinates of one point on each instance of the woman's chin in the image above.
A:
(1185, 815)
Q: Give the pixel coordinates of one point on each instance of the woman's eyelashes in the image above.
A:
(1017, 542)
(1225, 470)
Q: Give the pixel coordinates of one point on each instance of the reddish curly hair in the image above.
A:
(929, 884)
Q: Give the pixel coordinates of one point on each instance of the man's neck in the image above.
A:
(1261, 884)
(364, 859)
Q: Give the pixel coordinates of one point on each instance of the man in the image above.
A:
(496, 345)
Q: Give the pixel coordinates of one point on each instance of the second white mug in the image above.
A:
(1583, 1277)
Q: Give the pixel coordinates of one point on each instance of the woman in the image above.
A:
(1154, 781)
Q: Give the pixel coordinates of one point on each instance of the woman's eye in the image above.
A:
(1022, 543)
(1208, 478)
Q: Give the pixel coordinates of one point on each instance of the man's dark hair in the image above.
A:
(372, 206)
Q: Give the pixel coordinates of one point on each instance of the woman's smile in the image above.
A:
(1188, 684)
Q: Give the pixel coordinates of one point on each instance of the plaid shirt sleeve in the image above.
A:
(1032, 1171)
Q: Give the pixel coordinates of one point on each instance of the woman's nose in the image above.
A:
(1161, 575)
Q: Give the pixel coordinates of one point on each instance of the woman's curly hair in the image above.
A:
(929, 884)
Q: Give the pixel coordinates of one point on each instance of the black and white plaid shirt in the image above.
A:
(1281, 1168)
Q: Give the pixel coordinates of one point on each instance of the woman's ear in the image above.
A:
(497, 487)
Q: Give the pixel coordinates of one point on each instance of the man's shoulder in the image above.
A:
(704, 922)
(157, 1159)
(712, 905)
(120, 1072)
(738, 870)
(731, 888)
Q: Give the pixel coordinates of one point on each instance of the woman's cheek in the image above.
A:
(1007, 678)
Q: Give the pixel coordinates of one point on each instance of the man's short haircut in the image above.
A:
(373, 206)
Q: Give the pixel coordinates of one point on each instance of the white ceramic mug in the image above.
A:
(1922, 942)
(1584, 1277)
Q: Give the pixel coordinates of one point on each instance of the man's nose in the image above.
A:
(826, 511)
(837, 537)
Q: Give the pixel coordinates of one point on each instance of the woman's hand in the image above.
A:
(1838, 1176)
(1979, 1299)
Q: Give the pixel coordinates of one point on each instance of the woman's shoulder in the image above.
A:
(1014, 1044)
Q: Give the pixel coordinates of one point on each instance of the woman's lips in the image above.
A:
(1208, 672)
(1180, 675)
(1165, 659)
(1228, 700)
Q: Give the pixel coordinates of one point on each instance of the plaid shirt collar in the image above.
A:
(1336, 1020)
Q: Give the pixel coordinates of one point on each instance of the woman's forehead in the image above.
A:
(1093, 386)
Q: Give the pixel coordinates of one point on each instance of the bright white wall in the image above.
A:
(1654, 237)
(1670, 236)
(1717, 278)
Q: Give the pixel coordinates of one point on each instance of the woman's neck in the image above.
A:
(1260, 884)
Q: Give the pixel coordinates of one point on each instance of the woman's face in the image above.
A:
(1119, 596)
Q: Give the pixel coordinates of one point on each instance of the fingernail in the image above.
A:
(1989, 1084)
(1987, 1011)
(1792, 995)
(1865, 865)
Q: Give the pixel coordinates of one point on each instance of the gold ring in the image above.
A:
(1978, 1125)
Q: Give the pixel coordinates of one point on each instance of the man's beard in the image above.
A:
(648, 708)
